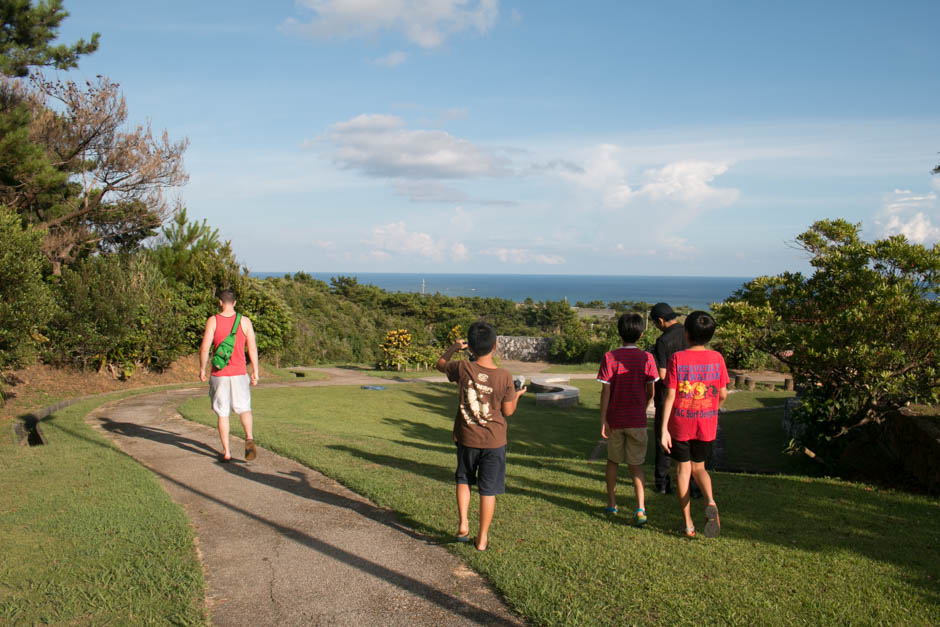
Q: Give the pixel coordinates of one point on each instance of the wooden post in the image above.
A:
(788, 384)
(750, 383)
(739, 381)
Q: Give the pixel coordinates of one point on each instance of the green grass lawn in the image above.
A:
(88, 536)
(793, 549)
(758, 399)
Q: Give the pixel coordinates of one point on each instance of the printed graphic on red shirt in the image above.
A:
(696, 376)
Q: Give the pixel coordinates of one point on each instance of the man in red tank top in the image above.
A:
(229, 387)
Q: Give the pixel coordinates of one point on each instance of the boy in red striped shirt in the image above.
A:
(627, 375)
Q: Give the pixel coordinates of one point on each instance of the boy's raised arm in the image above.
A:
(459, 345)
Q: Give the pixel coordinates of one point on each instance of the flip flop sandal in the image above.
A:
(712, 522)
(639, 517)
(250, 451)
(464, 538)
(688, 532)
(610, 510)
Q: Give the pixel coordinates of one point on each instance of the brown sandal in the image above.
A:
(250, 451)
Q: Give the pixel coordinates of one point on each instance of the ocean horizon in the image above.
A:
(696, 292)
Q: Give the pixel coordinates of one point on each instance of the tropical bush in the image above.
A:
(859, 333)
(117, 311)
(25, 300)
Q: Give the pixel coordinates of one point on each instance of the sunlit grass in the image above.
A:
(88, 536)
(793, 549)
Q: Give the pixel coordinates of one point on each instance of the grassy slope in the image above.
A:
(793, 549)
(89, 536)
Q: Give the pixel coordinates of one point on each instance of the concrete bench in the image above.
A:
(554, 391)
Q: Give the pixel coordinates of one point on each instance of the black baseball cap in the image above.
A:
(662, 310)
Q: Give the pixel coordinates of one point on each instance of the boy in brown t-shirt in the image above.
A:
(487, 397)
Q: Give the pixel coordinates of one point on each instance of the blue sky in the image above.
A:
(602, 137)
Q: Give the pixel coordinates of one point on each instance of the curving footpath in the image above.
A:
(282, 544)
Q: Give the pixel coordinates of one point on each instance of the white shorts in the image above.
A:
(230, 393)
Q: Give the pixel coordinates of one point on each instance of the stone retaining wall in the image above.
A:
(520, 348)
(915, 443)
(904, 450)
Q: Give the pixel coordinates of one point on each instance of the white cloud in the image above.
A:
(392, 59)
(911, 215)
(324, 244)
(395, 239)
(688, 183)
(427, 23)
(684, 184)
(523, 256)
(381, 145)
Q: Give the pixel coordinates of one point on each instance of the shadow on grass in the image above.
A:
(820, 516)
(538, 431)
(421, 430)
(444, 444)
(544, 491)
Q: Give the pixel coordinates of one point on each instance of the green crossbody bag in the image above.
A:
(223, 352)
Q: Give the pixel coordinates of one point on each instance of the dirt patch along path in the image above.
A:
(282, 544)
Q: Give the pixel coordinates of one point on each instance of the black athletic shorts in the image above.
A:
(690, 450)
(483, 466)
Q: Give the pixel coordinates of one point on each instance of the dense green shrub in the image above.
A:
(117, 311)
(25, 301)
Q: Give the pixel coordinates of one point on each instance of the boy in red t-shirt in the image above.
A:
(696, 386)
(627, 375)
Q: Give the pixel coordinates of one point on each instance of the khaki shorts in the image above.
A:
(627, 445)
(230, 393)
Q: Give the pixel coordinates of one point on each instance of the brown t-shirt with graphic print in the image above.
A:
(479, 422)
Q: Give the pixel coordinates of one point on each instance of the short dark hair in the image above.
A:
(481, 338)
(630, 327)
(700, 327)
(227, 296)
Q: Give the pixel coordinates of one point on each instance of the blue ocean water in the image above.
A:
(696, 292)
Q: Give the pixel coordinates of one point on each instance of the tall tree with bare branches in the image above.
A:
(74, 167)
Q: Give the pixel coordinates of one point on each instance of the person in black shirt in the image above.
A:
(671, 341)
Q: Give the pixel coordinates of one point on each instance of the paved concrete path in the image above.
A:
(282, 544)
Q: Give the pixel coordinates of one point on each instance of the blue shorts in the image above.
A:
(483, 466)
